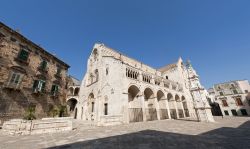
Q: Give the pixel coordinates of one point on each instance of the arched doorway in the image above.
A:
(134, 104)
(171, 101)
(151, 113)
(72, 107)
(163, 111)
(185, 107)
(179, 106)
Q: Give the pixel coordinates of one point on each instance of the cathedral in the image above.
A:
(117, 89)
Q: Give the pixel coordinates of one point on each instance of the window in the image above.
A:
(107, 71)
(96, 75)
(221, 93)
(235, 91)
(226, 112)
(248, 102)
(234, 112)
(243, 112)
(166, 77)
(15, 79)
(54, 90)
(157, 82)
(238, 101)
(224, 103)
(105, 109)
(95, 54)
(39, 86)
(92, 107)
(146, 78)
(43, 65)
(132, 73)
(23, 55)
(59, 70)
(246, 91)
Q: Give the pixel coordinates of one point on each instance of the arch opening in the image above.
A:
(76, 92)
(163, 111)
(134, 104)
(179, 106)
(150, 105)
(171, 103)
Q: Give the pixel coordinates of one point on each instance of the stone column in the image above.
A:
(143, 108)
(167, 104)
(183, 109)
(176, 108)
(157, 108)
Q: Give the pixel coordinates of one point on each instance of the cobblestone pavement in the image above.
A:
(224, 133)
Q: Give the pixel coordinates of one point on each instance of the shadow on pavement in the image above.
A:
(225, 137)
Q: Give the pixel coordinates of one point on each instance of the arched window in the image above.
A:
(96, 75)
(91, 78)
(95, 54)
(107, 71)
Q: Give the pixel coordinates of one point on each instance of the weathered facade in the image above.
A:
(29, 77)
(232, 97)
(117, 89)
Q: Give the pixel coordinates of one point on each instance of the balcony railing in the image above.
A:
(13, 86)
(43, 70)
(24, 62)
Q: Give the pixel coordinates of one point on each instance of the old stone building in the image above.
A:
(233, 98)
(72, 95)
(29, 77)
(117, 89)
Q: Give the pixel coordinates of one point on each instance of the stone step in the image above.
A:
(81, 124)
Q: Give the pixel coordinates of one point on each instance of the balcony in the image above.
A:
(43, 70)
(13, 86)
(22, 61)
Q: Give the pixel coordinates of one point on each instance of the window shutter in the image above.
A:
(13, 77)
(43, 64)
(52, 88)
(17, 78)
(24, 55)
(10, 78)
(43, 86)
(35, 85)
(19, 81)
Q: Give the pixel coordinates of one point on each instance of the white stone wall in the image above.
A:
(113, 85)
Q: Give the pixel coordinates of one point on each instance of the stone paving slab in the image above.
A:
(224, 133)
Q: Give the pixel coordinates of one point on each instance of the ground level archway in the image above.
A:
(134, 104)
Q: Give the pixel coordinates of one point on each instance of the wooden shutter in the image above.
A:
(20, 80)
(10, 78)
(35, 85)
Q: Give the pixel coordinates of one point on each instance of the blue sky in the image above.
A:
(213, 34)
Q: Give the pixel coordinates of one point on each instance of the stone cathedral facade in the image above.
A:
(117, 89)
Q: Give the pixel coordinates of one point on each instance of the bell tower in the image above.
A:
(199, 95)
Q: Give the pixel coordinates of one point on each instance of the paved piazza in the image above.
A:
(224, 133)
